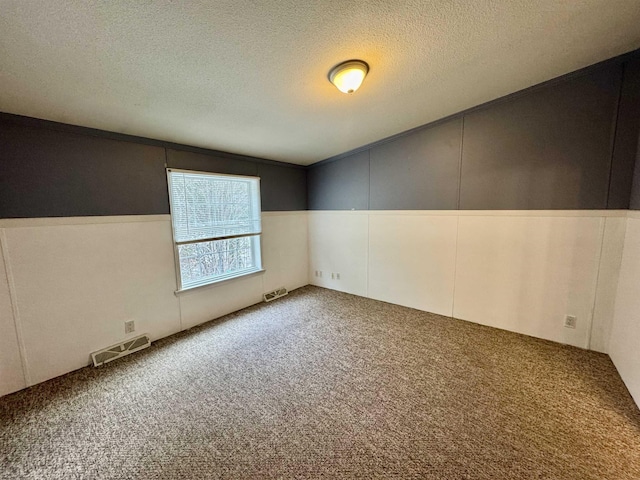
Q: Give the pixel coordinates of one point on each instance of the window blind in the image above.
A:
(210, 207)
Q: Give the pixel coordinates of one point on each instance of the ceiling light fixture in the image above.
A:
(348, 76)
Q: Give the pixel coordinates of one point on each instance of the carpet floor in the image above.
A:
(322, 384)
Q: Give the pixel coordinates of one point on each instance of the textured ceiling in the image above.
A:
(250, 77)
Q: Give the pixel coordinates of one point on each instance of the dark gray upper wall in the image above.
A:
(341, 185)
(48, 173)
(283, 187)
(57, 170)
(629, 117)
(427, 179)
(635, 192)
(626, 139)
(549, 147)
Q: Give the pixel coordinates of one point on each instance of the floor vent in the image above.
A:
(277, 293)
(106, 355)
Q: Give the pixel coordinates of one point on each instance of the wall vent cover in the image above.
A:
(277, 293)
(109, 354)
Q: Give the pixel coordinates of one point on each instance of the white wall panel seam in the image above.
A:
(4, 246)
(368, 251)
(595, 284)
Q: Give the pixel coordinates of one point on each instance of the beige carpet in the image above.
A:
(322, 384)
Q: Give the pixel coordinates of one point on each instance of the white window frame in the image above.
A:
(176, 244)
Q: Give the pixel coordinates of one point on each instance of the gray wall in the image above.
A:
(627, 134)
(635, 192)
(428, 157)
(548, 149)
(56, 170)
(47, 173)
(567, 144)
(631, 142)
(340, 185)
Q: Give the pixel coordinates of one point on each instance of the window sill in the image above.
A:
(220, 281)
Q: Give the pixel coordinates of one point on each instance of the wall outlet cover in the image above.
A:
(570, 321)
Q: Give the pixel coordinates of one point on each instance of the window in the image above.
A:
(216, 226)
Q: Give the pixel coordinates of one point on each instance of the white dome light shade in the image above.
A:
(348, 76)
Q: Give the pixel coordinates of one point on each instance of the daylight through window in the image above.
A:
(216, 226)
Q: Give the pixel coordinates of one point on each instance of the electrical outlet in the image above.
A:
(320, 273)
(337, 276)
(570, 321)
(129, 326)
(333, 276)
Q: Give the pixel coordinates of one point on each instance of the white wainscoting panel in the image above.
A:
(338, 243)
(624, 346)
(526, 273)
(412, 260)
(77, 284)
(285, 252)
(213, 301)
(608, 275)
(11, 372)
(522, 271)
(78, 279)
